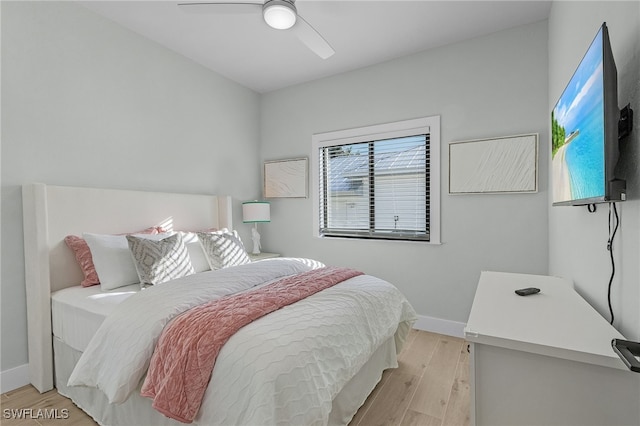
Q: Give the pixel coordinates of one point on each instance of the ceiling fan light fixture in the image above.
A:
(279, 14)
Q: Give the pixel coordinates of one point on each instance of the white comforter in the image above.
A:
(284, 368)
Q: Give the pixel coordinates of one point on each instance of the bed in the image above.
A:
(323, 377)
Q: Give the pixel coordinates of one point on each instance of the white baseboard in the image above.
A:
(14, 378)
(440, 326)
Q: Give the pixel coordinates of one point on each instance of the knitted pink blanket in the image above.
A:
(184, 357)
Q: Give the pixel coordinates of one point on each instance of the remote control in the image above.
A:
(527, 291)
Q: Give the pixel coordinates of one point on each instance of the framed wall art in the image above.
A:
(506, 164)
(286, 178)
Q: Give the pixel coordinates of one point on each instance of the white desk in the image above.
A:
(545, 359)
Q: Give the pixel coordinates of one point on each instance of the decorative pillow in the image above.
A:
(223, 248)
(83, 256)
(159, 261)
(112, 259)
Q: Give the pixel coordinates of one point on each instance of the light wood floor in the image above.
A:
(429, 388)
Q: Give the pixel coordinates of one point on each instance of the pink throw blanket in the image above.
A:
(184, 357)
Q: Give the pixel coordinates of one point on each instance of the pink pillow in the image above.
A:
(83, 255)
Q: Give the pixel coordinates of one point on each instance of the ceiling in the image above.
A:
(243, 48)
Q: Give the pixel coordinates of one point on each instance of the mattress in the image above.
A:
(77, 312)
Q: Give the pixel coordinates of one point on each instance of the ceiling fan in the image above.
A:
(278, 14)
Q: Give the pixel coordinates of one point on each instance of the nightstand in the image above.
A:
(262, 256)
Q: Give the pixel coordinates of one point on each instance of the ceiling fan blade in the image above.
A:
(223, 7)
(314, 41)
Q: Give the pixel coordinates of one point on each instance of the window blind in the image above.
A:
(376, 189)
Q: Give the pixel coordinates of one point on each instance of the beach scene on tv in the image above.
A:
(577, 128)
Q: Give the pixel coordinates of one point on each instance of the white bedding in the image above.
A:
(137, 410)
(288, 377)
(77, 312)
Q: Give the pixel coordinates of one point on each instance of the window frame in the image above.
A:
(398, 129)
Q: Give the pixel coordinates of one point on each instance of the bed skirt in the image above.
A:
(137, 409)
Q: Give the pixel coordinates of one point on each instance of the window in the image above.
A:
(378, 182)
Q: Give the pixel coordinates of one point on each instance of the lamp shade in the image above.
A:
(256, 211)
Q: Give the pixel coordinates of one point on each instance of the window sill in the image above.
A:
(379, 240)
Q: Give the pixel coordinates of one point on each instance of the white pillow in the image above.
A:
(112, 258)
(198, 258)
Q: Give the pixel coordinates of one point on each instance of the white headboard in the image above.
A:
(52, 212)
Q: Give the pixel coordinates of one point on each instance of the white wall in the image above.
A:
(578, 239)
(88, 103)
(490, 86)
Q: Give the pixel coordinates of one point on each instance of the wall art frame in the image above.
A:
(286, 178)
(502, 165)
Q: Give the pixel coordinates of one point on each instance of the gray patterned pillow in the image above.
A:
(160, 261)
(223, 248)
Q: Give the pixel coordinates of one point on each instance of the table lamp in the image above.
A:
(256, 212)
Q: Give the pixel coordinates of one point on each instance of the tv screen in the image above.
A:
(584, 126)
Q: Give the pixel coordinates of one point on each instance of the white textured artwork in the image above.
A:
(285, 178)
(502, 165)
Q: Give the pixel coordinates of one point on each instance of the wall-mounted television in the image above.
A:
(584, 129)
